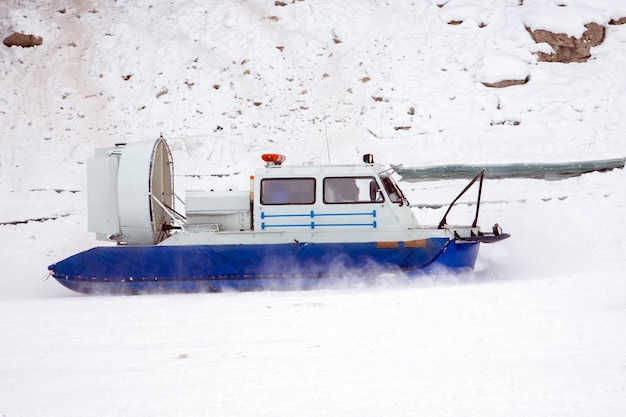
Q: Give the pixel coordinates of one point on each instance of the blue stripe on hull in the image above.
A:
(164, 269)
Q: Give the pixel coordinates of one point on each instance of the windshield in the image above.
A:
(395, 194)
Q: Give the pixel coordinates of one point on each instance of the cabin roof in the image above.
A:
(336, 170)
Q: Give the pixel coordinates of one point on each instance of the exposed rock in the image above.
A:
(506, 83)
(621, 21)
(163, 92)
(23, 40)
(568, 48)
(497, 69)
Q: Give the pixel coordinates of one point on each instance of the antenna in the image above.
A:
(391, 170)
(326, 132)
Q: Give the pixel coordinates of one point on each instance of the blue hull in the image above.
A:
(204, 268)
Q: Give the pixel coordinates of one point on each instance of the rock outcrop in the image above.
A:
(506, 83)
(620, 21)
(498, 69)
(568, 48)
(23, 40)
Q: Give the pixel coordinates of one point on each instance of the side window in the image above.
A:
(287, 191)
(338, 190)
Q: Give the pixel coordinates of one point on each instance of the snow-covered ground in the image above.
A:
(540, 327)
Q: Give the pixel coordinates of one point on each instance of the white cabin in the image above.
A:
(131, 201)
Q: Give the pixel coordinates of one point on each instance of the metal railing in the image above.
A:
(312, 224)
(480, 176)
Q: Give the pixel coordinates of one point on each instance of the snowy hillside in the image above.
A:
(539, 329)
